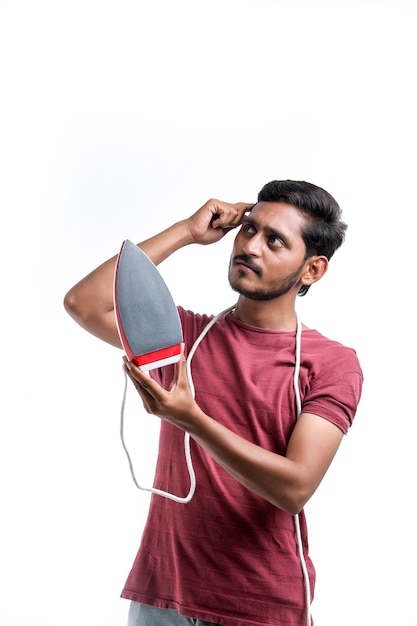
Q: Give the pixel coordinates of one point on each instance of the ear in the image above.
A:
(314, 269)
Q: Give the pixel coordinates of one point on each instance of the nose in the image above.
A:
(252, 246)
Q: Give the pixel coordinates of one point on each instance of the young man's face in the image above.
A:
(268, 253)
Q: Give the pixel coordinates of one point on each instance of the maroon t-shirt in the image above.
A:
(228, 556)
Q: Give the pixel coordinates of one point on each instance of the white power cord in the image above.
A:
(160, 492)
(307, 589)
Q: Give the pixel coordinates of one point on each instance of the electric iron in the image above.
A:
(147, 318)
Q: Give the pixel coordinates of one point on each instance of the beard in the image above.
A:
(278, 289)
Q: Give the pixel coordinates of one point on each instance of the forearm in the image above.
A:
(161, 246)
(275, 478)
(286, 481)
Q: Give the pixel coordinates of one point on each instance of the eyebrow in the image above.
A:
(268, 229)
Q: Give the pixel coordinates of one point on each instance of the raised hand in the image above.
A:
(214, 219)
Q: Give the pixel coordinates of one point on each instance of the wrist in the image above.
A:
(161, 246)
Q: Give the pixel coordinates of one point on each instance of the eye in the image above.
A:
(248, 228)
(273, 240)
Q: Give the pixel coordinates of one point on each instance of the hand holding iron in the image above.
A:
(175, 405)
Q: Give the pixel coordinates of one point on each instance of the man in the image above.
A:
(237, 553)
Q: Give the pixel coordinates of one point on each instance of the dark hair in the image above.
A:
(324, 231)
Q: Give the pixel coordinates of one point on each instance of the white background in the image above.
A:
(118, 118)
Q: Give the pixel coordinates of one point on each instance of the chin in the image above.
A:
(251, 294)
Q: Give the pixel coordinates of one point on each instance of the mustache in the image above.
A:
(247, 260)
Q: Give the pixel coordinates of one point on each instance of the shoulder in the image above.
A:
(329, 354)
(193, 323)
(190, 317)
(332, 379)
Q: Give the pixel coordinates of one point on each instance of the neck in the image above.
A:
(277, 314)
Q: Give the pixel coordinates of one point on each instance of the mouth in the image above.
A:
(246, 264)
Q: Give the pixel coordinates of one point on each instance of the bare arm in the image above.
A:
(90, 301)
(286, 481)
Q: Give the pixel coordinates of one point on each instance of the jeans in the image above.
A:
(145, 615)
